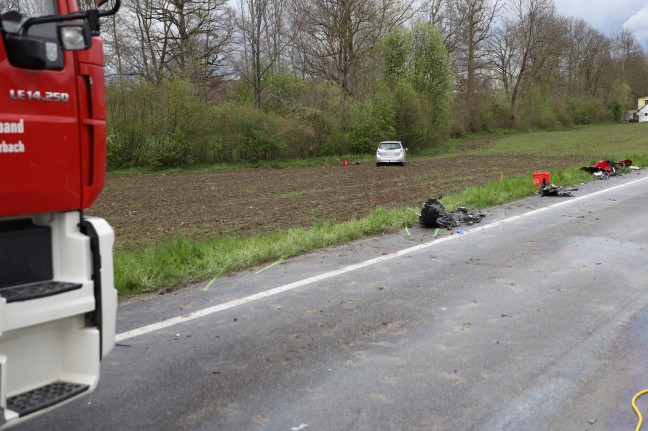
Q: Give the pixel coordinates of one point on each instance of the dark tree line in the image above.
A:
(340, 73)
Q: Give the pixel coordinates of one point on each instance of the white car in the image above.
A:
(389, 152)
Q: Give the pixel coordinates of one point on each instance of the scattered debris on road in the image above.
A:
(434, 215)
(607, 168)
(553, 190)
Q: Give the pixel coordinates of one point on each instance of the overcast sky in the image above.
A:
(610, 16)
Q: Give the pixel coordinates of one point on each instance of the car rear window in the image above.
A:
(389, 146)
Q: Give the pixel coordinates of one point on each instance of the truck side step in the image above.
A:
(25, 292)
(43, 397)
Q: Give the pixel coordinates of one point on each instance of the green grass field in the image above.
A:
(613, 141)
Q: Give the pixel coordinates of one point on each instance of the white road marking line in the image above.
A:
(325, 276)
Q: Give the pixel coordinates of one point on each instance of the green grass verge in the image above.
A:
(180, 261)
(511, 189)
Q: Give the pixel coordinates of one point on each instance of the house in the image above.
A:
(641, 114)
(641, 102)
(642, 109)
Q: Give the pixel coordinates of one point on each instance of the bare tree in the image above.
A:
(194, 34)
(626, 47)
(518, 42)
(585, 59)
(474, 21)
(146, 57)
(170, 38)
(263, 39)
(596, 62)
(632, 65)
(444, 17)
(338, 36)
(574, 31)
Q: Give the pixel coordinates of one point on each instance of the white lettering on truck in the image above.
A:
(18, 147)
(43, 96)
(13, 127)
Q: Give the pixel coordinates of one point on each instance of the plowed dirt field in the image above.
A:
(148, 208)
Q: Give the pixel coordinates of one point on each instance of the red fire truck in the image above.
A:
(57, 298)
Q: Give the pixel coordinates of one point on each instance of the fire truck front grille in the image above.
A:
(44, 397)
(26, 292)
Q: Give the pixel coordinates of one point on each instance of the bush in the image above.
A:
(592, 111)
(536, 110)
(157, 126)
(283, 93)
(371, 122)
(248, 134)
(410, 122)
(325, 137)
(617, 109)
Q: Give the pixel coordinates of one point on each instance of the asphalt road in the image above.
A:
(534, 319)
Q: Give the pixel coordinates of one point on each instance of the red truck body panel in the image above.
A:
(52, 134)
(92, 111)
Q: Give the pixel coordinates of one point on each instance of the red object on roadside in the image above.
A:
(346, 162)
(603, 164)
(541, 179)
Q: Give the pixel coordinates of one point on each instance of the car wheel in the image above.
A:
(377, 165)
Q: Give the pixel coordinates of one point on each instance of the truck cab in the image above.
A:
(57, 297)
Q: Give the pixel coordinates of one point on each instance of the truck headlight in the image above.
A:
(74, 36)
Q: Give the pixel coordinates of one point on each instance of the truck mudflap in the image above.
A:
(58, 321)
